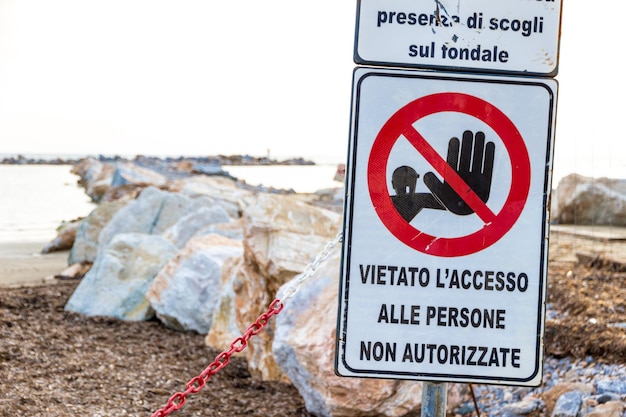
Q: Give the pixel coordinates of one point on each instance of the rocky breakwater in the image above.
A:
(202, 253)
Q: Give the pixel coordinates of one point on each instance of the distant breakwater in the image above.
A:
(154, 161)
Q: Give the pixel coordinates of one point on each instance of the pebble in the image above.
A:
(607, 382)
(568, 404)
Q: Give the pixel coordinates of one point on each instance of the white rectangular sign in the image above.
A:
(508, 36)
(446, 224)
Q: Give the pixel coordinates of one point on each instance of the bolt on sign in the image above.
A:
(446, 219)
(511, 36)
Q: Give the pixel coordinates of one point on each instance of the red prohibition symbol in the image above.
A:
(495, 225)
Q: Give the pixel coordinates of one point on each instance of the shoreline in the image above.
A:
(21, 260)
(21, 263)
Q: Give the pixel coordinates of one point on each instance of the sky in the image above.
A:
(175, 77)
(196, 77)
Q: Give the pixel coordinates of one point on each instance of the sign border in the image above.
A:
(344, 283)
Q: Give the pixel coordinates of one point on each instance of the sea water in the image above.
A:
(299, 178)
(36, 199)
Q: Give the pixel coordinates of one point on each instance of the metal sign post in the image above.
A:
(434, 396)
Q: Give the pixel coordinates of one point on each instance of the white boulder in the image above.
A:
(190, 224)
(187, 289)
(128, 173)
(152, 212)
(85, 247)
(590, 201)
(283, 234)
(222, 190)
(116, 285)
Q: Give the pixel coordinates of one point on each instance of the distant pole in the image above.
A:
(434, 395)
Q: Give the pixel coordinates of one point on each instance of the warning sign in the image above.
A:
(445, 256)
(506, 36)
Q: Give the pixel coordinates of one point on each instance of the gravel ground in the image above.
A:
(55, 363)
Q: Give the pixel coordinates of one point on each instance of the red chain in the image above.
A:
(196, 384)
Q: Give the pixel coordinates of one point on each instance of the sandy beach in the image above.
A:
(22, 263)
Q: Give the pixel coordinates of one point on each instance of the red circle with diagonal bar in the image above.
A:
(496, 225)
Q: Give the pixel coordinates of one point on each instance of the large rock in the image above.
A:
(304, 346)
(233, 229)
(95, 177)
(593, 201)
(85, 246)
(66, 235)
(223, 190)
(186, 291)
(191, 224)
(252, 298)
(129, 173)
(224, 329)
(87, 169)
(151, 213)
(117, 283)
(101, 183)
(123, 192)
(281, 236)
(101, 180)
(74, 271)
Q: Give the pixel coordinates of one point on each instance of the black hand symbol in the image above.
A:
(475, 167)
(407, 201)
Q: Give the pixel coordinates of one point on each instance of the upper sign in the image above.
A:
(507, 36)
(445, 256)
